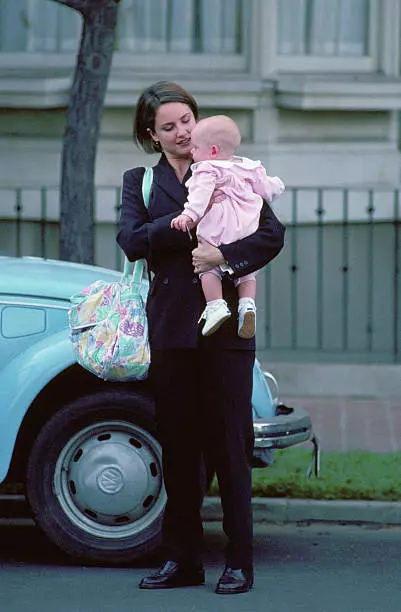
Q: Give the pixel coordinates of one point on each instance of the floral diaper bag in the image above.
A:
(108, 324)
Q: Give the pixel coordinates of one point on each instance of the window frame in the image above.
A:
(134, 61)
(325, 63)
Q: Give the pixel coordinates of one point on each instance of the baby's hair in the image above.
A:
(222, 131)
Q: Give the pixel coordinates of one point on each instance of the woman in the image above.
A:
(202, 385)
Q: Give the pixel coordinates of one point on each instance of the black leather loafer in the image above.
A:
(172, 575)
(234, 581)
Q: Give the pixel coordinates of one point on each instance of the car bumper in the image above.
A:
(288, 427)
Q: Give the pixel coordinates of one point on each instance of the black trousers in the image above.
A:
(203, 406)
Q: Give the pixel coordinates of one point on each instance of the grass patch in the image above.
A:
(351, 475)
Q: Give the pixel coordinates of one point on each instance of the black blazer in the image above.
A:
(175, 300)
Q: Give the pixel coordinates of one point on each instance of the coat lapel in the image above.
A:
(165, 178)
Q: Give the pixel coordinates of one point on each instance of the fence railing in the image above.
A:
(333, 294)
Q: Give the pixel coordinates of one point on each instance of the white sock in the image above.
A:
(246, 301)
(218, 301)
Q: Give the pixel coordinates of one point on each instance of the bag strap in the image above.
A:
(147, 181)
(147, 185)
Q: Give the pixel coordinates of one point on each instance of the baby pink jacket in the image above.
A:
(227, 195)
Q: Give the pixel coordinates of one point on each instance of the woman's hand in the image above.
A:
(206, 256)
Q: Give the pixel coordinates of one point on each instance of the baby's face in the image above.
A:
(201, 150)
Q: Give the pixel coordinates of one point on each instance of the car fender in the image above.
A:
(262, 400)
(21, 381)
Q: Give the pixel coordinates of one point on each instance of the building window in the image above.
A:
(324, 34)
(156, 26)
(39, 26)
(181, 26)
(323, 27)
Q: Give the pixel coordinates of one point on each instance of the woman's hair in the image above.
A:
(147, 106)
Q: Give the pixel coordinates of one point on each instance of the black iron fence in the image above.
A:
(333, 294)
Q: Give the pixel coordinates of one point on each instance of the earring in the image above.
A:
(149, 131)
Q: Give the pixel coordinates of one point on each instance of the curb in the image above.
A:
(14, 510)
(282, 510)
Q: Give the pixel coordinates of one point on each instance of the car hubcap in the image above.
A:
(108, 479)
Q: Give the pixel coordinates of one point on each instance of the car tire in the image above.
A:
(94, 478)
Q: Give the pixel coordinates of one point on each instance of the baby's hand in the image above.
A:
(182, 222)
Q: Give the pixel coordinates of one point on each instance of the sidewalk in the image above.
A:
(349, 423)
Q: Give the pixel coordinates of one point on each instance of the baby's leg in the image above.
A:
(211, 285)
(246, 306)
(247, 289)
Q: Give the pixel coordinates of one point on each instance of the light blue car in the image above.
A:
(87, 450)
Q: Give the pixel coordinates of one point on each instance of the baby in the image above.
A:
(225, 196)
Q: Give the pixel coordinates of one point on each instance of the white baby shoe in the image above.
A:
(246, 318)
(215, 314)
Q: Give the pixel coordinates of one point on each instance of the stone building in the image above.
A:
(315, 86)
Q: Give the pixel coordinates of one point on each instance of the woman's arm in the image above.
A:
(248, 254)
(137, 235)
(255, 251)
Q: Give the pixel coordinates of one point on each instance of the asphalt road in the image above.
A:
(316, 568)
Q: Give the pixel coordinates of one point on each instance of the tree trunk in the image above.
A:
(82, 127)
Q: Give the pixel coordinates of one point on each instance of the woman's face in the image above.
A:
(174, 123)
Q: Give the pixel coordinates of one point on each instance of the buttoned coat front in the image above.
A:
(175, 300)
(202, 397)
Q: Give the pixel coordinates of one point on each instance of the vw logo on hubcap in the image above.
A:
(110, 480)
